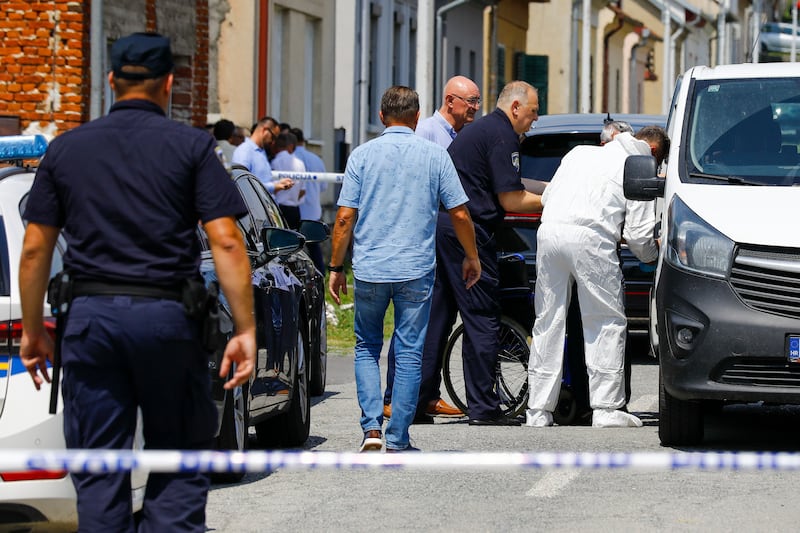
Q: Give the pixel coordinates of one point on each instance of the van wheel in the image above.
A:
(680, 422)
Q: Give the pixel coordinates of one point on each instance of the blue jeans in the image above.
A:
(412, 305)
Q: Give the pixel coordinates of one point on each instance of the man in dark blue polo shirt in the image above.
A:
(486, 156)
(127, 190)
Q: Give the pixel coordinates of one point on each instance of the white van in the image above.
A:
(725, 308)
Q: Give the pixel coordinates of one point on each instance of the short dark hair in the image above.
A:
(400, 103)
(658, 135)
(223, 129)
(297, 132)
(284, 140)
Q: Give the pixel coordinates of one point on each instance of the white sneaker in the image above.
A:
(538, 418)
(614, 418)
(372, 441)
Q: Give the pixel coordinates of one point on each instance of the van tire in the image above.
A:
(680, 422)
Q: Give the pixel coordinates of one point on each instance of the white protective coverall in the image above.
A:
(584, 211)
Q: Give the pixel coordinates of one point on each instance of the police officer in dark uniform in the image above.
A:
(486, 156)
(128, 190)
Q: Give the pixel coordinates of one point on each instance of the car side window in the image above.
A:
(57, 263)
(274, 215)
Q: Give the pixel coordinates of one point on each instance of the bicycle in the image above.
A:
(516, 297)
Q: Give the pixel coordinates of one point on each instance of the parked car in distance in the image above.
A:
(776, 37)
(31, 500)
(289, 301)
(548, 140)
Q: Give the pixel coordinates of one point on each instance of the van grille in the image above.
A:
(768, 279)
(762, 373)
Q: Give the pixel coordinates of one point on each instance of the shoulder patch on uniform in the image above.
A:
(515, 160)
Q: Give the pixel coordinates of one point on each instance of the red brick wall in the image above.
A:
(200, 64)
(44, 64)
(42, 67)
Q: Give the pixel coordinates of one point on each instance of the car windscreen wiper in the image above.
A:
(735, 180)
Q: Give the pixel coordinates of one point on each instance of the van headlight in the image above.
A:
(694, 245)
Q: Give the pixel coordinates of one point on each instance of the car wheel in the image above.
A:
(680, 422)
(292, 427)
(233, 434)
(298, 419)
(318, 366)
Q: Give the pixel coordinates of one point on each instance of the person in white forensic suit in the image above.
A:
(585, 214)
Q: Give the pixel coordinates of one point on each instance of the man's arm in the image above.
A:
(341, 237)
(233, 270)
(34, 269)
(520, 201)
(465, 232)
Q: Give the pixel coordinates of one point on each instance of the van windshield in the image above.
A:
(744, 131)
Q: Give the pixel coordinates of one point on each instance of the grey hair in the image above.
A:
(515, 90)
(612, 128)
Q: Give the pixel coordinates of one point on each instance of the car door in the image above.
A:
(275, 301)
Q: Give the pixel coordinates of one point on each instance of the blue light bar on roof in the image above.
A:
(16, 147)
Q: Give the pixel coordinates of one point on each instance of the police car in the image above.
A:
(31, 497)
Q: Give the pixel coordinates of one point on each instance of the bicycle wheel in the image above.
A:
(511, 371)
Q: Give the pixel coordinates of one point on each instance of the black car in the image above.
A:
(548, 140)
(291, 338)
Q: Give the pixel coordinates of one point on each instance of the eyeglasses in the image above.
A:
(473, 101)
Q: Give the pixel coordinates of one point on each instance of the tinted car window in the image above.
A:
(5, 281)
(57, 263)
(541, 154)
(273, 213)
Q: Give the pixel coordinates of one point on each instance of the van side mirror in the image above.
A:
(640, 181)
(314, 230)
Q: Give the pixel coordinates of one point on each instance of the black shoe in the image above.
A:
(502, 421)
(422, 419)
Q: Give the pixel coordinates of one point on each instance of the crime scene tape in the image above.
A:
(328, 177)
(105, 461)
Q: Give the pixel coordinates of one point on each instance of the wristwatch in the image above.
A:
(332, 268)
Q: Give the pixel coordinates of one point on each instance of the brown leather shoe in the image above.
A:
(442, 408)
(387, 410)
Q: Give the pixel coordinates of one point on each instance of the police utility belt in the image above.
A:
(200, 302)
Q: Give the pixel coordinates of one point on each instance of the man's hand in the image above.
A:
(471, 271)
(35, 350)
(241, 349)
(283, 184)
(337, 281)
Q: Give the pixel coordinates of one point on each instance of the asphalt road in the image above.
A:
(481, 499)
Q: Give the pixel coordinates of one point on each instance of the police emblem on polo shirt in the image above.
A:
(515, 160)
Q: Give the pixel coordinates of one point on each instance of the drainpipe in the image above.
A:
(606, 39)
(673, 45)
(793, 53)
(573, 58)
(665, 88)
(363, 82)
(722, 34)
(586, 50)
(96, 60)
(439, 76)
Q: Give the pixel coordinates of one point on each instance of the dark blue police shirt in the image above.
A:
(128, 190)
(486, 156)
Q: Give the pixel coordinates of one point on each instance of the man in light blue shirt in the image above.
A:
(311, 207)
(388, 206)
(252, 155)
(460, 101)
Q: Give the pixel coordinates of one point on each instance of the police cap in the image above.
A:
(150, 51)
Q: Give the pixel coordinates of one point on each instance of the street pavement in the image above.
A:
(545, 499)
